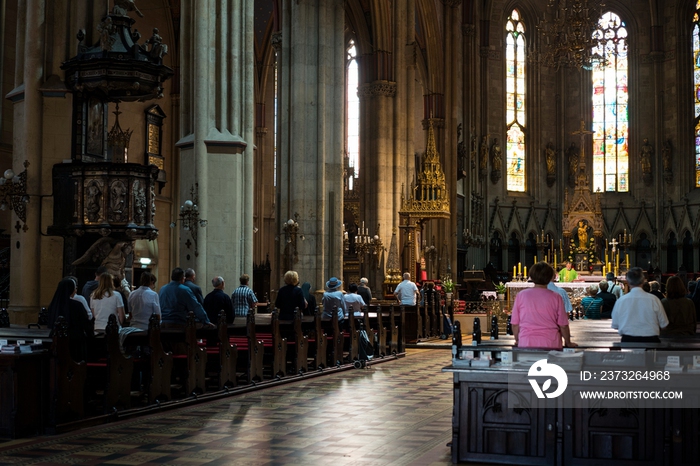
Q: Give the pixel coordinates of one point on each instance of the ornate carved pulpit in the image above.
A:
(99, 198)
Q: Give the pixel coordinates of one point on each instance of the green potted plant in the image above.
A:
(449, 286)
(501, 291)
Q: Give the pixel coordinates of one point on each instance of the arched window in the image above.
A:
(353, 115)
(688, 253)
(696, 88)
(610, 113)
(515, 103)
(672, 253)
(530, 249)
(496, 251)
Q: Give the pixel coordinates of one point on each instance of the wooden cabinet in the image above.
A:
(488, 429)
(23, 393)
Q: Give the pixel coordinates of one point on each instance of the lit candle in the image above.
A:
(627, 261)
(520, 269)
(514, 272)
(555, 260)
(525, 271)
(536, 258)
(603, 270)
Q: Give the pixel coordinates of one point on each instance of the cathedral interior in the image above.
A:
(353, 138)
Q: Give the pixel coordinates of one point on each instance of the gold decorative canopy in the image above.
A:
(429, 197)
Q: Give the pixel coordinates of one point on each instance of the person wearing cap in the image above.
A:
(333, 299)
(364, 290)
(613, 286)
(406, 291)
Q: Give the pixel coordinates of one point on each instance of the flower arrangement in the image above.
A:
(448, 285)
(588, 251)
(500, 288)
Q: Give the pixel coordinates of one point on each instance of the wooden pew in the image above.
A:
(279, 347)
(320, 340)
(67, 379)
(411, 323)
(253, 347)
(377, 329)
(336, 338)
(160, 363)
(119, 370)
(194, 358)
(353, 335)
(393, 330)
(227, 355)
(301, 345)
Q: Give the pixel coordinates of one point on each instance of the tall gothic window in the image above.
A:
(353, 120)
(515, 103)
(610, 113)
(696, 90)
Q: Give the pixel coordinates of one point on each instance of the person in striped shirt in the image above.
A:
(243, 297)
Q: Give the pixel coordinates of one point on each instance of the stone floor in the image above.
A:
(394, 413)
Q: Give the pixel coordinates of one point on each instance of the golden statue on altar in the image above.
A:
(582, 234)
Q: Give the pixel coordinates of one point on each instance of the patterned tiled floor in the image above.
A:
(394, 413)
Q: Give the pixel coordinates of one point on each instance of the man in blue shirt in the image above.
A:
(191, 283)
(564, 295)
(177, 300)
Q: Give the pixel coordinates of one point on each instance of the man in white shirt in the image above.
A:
(143, 302)
(353, 301)
(638, 316)
(406, 291)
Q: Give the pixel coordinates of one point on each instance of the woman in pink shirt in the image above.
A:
(539, 319)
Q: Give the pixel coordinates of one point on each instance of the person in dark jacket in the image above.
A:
(190, 282)
(218, 301)
(310, 299)
(290, 296)
(608, 300)
(91, 285)
(80, 327)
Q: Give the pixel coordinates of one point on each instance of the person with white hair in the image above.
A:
(406, 291)
(364, 290)
(217, 300)
(638, 316)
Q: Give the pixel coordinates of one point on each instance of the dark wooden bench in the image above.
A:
(253, 349)
(114, 372)
(193, 357)
(67, 379)
(160, 364)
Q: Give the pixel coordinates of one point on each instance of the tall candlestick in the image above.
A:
(525, 272)
(514, 274)
(520, 269)
(603, 270)
(555, 260)
(627, 261)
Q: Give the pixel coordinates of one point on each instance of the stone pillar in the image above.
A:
(217, 135)
(387, 104)
(27, 145)
(311, 116)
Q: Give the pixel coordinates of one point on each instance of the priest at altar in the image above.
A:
(568, 274)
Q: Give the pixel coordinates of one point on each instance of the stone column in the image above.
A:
(217, 135)
(27, 145)
(387, 133)
(311, 71)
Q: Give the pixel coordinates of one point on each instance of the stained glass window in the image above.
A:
(610, 113)
(696, 90)
(353, 122)
(515, 103)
